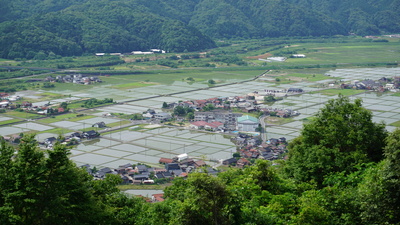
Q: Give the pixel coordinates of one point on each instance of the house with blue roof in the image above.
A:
(247, 123)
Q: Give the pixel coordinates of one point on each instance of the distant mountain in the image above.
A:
(74, 27)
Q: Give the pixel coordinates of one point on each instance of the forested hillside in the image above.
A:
(75, 27)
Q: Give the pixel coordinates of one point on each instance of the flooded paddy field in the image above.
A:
(148, 145)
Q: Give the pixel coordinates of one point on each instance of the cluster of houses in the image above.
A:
(71, 139)
(152, 114)
(380, 85)
(223, 119)
(259, 96)
(26, 106)
(75, 78)
(251, 148)
(6, 100)
(279, 112)
(179, 166)
(248, 103)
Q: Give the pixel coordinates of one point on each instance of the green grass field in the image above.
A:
(22, 115)
(9, 121)
(53, 119)
(340, 54)
(331, 53)
(57, 131)
(120, 123)
(75, 119)
(395, 124)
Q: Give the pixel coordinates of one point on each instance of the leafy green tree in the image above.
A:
(208, 107)
(127, 210)
(41, 188)
(341, 136)
(190, 116)
(311, 211)
(64, 105)
(269, 98)
(202, 199)
(380, 190)
(179, 110)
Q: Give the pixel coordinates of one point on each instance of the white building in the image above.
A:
(298, 56)
(247, 123)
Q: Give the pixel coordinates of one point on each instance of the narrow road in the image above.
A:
(264, 129)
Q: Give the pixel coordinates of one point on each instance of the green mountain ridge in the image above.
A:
(75, 27)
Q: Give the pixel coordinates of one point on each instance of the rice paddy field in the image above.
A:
(340, 53)
(147, 145)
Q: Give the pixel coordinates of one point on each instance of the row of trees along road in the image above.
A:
(342, 169)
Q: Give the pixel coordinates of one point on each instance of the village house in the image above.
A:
(165, 161)
(231, 161)
(198, 125)
(162, 116)
(368, 84)
(76, 79)
(157, 198)
(90, 134)
(4, 103)
(242, 162)
(99, 125)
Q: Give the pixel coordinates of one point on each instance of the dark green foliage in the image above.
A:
(341, 136)
(64, 105)
(99, 26)
(137, 116)
(190, 115)
(93, 102)
(47, 29)
(380, 190)
(48, 85)
(11, 73)
(208, 107)
(229, 60)
(39, 189)
(182, 110)
(167, 63)
(45, 187)
(201, 199)
(73, 62)
(269, 98)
